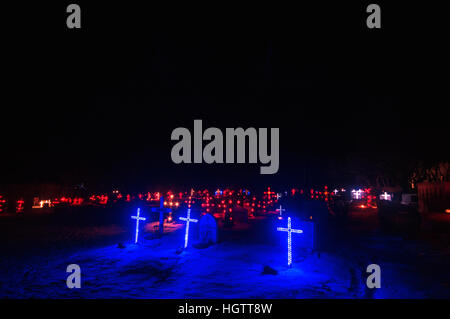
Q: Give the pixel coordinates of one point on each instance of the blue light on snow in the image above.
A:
(187, 219)
(138, 218)
(289, 231)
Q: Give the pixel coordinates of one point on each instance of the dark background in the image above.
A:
(98, 105)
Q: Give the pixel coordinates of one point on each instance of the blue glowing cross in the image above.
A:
(138, 218)
(187, 219)
(289, 230)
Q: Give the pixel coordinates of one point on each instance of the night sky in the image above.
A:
(98, 105)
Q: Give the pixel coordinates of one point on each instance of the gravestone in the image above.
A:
(208, 230)
(161, 210)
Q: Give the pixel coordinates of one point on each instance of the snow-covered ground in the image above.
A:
(231, 269)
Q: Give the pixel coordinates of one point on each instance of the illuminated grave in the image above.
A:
(280, 210)
(386, 196)
(41, 203)
(357, 194)
(161, 210)
(187, 219)
(289, 231)
(138, 218)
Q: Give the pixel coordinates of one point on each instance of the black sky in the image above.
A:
(97, 105)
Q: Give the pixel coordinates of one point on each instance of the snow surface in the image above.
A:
(231, 269)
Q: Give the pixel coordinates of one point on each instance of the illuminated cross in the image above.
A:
(187, 219)
(357, 194)
(268, 192)
(289, 231)
(281, 209)
(278, 196)
(386, 196)
(138, 218)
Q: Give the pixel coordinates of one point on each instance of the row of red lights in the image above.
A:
(103, 199)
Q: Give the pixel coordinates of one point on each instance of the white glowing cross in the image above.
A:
(289, 231)
(187, 219)
(386, 196)
(357, 193)
(281, 209)
(138, 218)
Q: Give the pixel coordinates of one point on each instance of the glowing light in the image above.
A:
(138, 218)
(269, 194)
(187, 219)
(44, 202)
(20, 206)
(77, 201)
(280, 210)
(289, 231)
(447, 211)
(2, 203)
(357, 194)
(103, 200)
(386, 196)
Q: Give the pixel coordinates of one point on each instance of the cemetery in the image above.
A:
(195, 153)
(287, 250)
